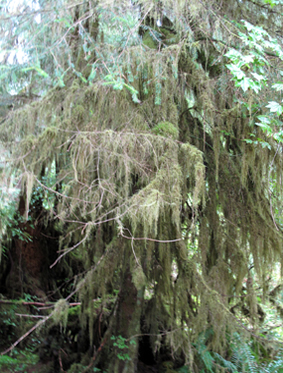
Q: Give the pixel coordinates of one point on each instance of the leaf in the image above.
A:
(63, 20)
(61, 82)
(264, 119)
(92, 75)
(236, 71)
(233, 54)
(135, 98)
(265, 144)
(38, 70)
(278, 136)
(248, 59)
(247, 83)
(41, 72)
(118, 86)
(274, 107)
(259, 77)
(278, 86)
(265, 127)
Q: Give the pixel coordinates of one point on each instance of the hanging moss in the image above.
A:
(171, 171)
(60, 314)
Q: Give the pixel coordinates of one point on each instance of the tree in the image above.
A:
(135, 145)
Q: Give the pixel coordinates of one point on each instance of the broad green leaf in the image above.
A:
(248, 59)
(259, 77)
(274, 107)
(264, 119)
(233, 54)
(278, 86)
(246, 83)
(265, 127)
(236, 71)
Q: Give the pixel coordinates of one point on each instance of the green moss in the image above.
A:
(60, 314)
(76, 368)
(166, 129)
(167, 367)
(78, 113)
(139, 278)
(149, 41)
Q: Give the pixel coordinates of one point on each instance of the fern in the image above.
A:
(275, 366)
(244, 359)
(248, 359)
(206, 357)
(225, 363)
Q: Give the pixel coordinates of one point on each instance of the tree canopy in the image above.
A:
(144, 140)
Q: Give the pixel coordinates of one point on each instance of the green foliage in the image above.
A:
(150, 39)
(249, 69)
(10, 219)
(183, 369)
(122, 345)
(243, 357)
(20, 362)
(119, 83)
(246, 359)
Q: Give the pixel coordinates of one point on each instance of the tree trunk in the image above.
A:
(124, 341)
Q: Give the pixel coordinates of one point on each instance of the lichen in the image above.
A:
(60, 313)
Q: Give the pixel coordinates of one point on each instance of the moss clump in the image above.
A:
(76, 368)
(74, 311)
(166, 129)
(78, 113)
(60, 314)
(149, 41)
(139, 278)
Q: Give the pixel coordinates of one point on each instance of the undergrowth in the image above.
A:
(242, 357)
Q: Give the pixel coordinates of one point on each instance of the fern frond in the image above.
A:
(225, 363)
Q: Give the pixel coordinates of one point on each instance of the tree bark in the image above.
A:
(126, 326)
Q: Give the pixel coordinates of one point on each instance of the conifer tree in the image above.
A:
(163, 187)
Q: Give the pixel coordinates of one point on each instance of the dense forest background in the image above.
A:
(141, 186)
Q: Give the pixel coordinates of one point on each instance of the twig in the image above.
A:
(40, 304)
(39, 323)
(60, 361)
(150, 239)
(33, 316)
(23, 303)
(95, 355)
(68, 250)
